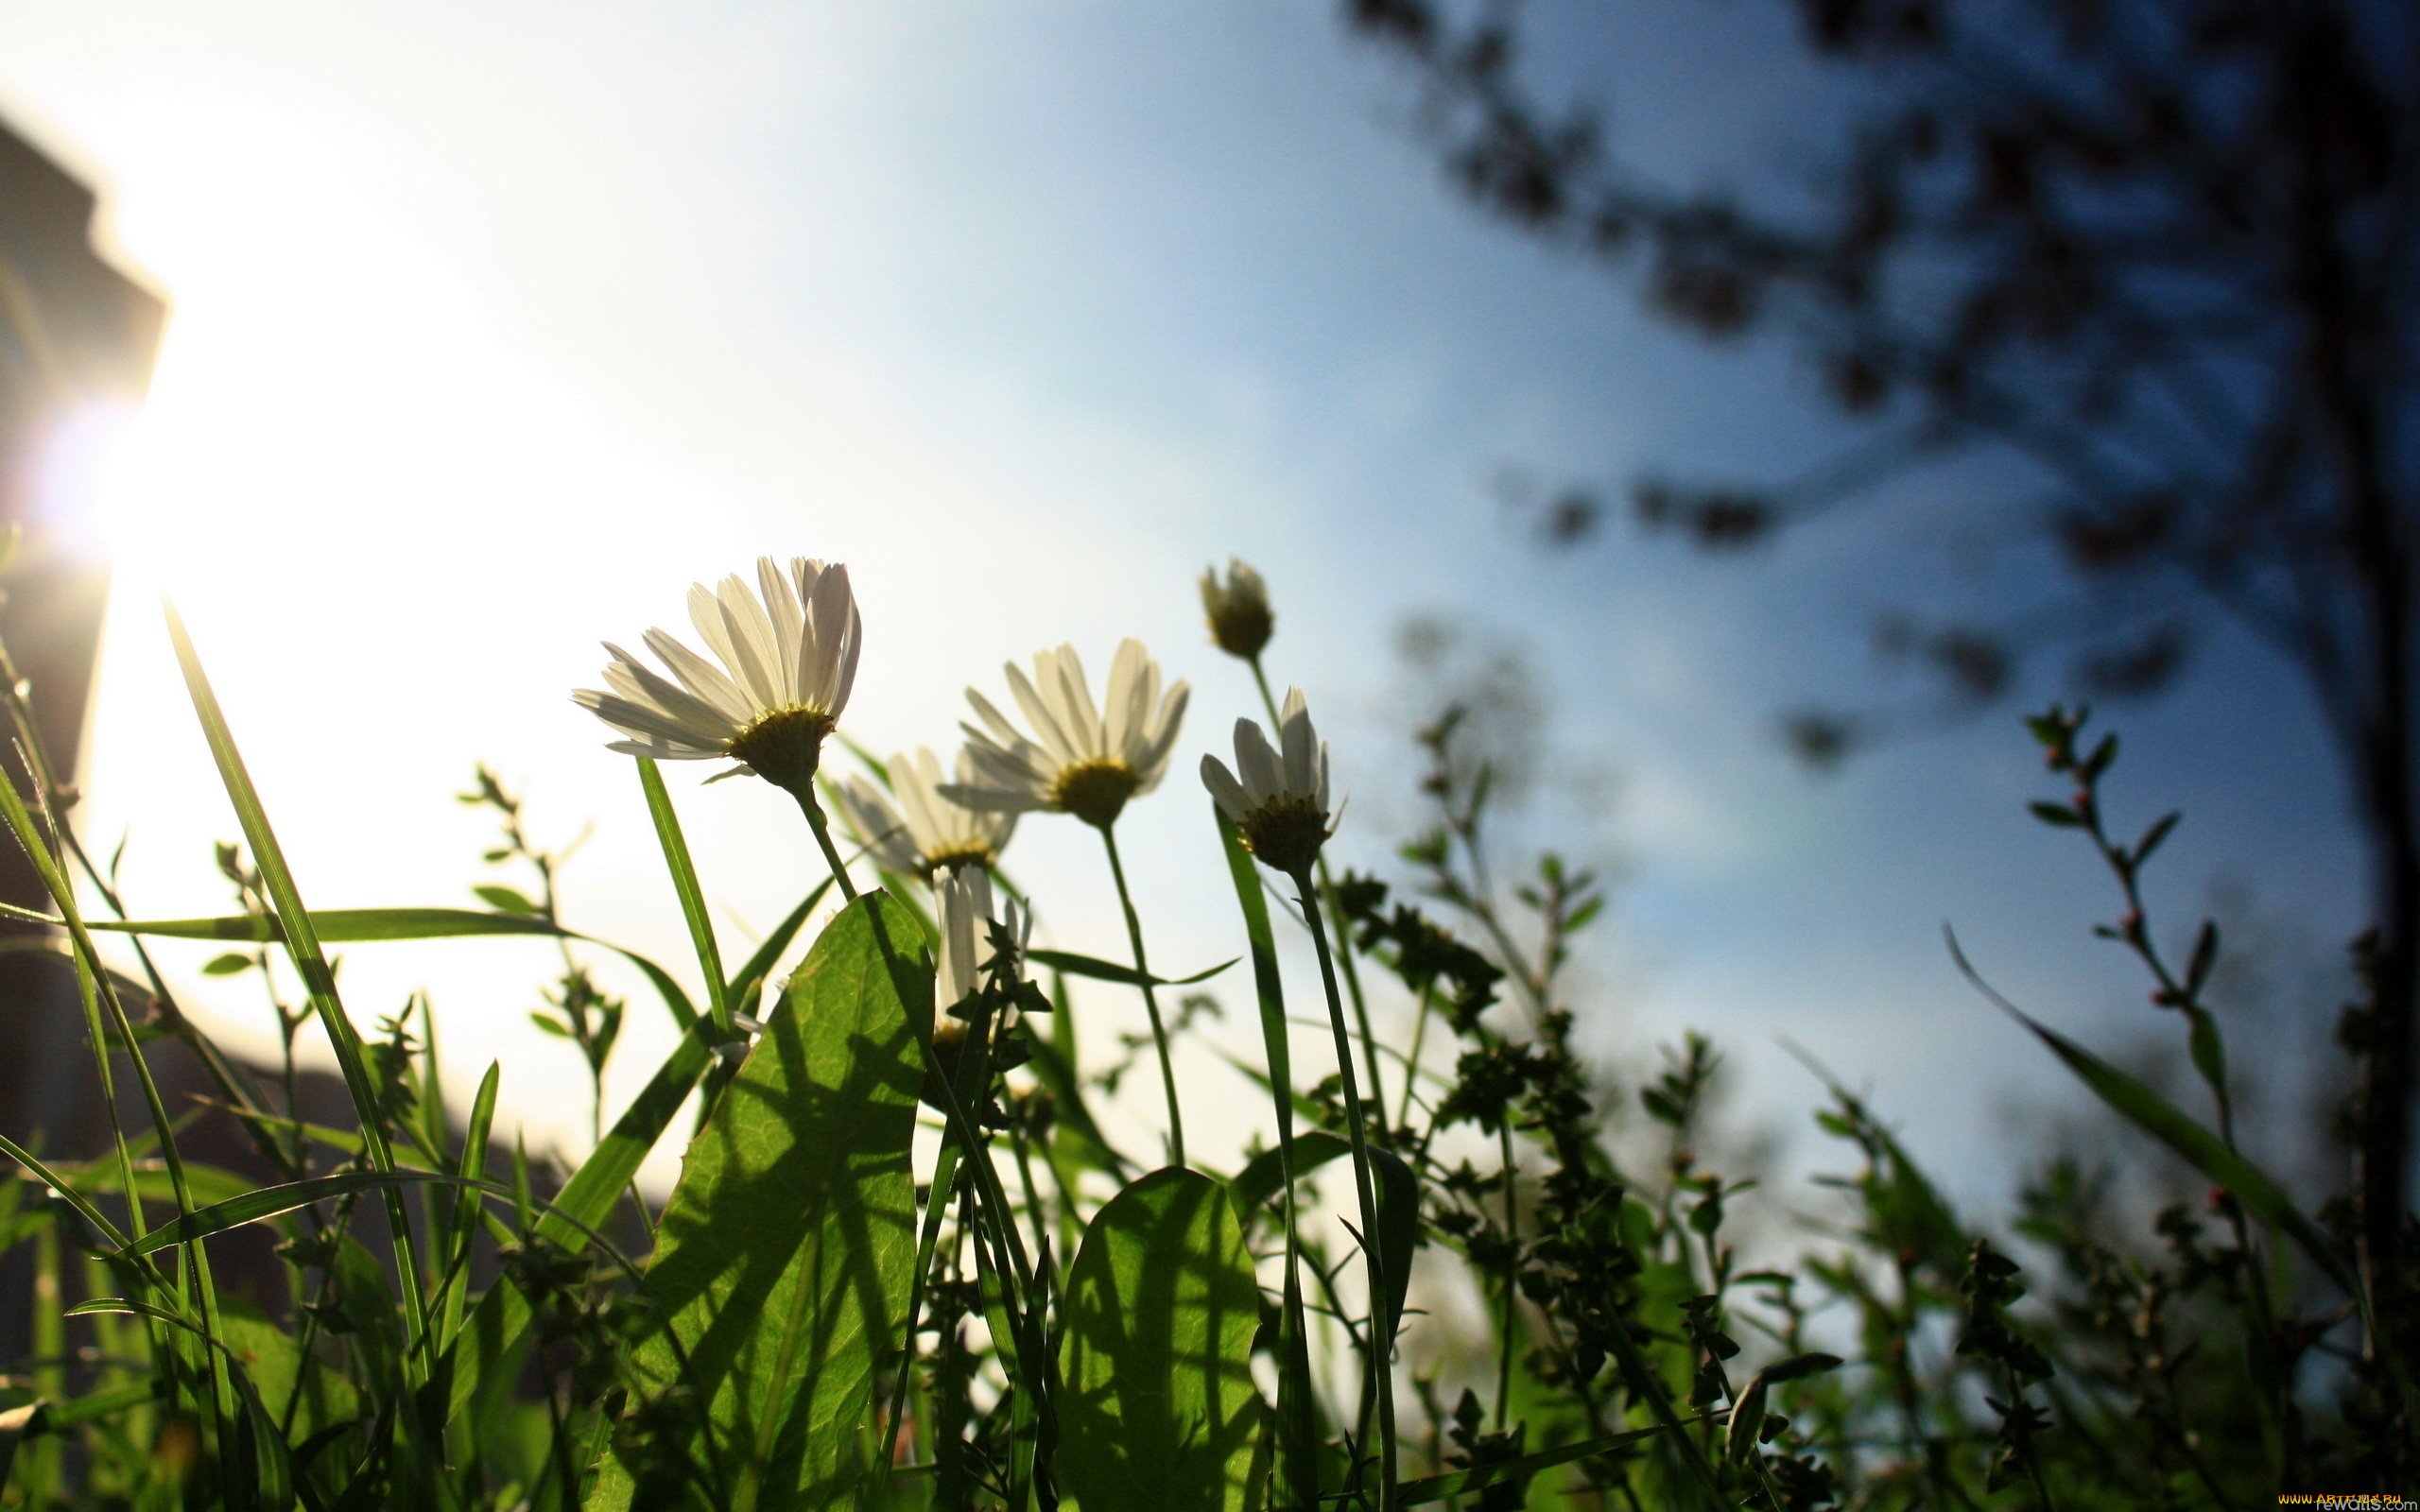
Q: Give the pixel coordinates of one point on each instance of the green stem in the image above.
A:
(993, 1207)
(1150, 997)
(1382, 1323)
(823, 828)
(1411, 1061)
(1511, 1264)
(1336, 917)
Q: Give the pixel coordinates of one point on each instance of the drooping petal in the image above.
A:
(1264, 778)
(998, 729)
(634, 680)
(640, 721)
(701, 677)
(1152, 761)
(1048, 717)
(1300, 746)
(876, 824)
(1232, 800)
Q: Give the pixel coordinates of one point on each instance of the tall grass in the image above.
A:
(1038, 1316)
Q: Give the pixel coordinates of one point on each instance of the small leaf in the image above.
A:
(552, 1025)
(508, 900)
(2205, 955)
(228, 965)
(1747, 1421)
(2209, 1052)
(1800, 1366)
(2057, 814)
(2098, 761)
(2153, 837)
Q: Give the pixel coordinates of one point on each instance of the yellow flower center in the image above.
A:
(785, 747)
(1095, 792)
(970, 852)
(1285, 835)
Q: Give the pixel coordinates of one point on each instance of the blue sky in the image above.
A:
(498, 324)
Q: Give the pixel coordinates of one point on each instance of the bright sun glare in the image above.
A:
(369, 497)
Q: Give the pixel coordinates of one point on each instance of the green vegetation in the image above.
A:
(1516, 1303)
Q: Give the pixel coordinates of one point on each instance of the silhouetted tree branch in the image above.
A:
(2162, 251)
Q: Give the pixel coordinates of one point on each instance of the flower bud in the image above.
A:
(1241, 618)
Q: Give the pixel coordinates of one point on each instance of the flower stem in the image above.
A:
(823, 828)
(1382, 1321)
(1344, 935)
(1151, 998)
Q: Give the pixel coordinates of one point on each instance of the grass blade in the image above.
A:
(270, 1202)
(348, 926)
(684, 882)
(302, 948)
(1075, 965)
(2201, 1149)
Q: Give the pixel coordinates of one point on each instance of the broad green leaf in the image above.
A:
(1158, 1413)
(782, 1261)
(1075, 965)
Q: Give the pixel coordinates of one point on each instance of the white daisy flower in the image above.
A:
(1281, 801)
(926, 831)
(965, 900)
(1080, 761)
(790, 651)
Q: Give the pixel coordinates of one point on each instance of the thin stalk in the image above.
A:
(1336, 917)
(1150, 997)
(1512, 1265)
(822, 828)
(1411, 1061)
(1382, 1325)
(992, 1211)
